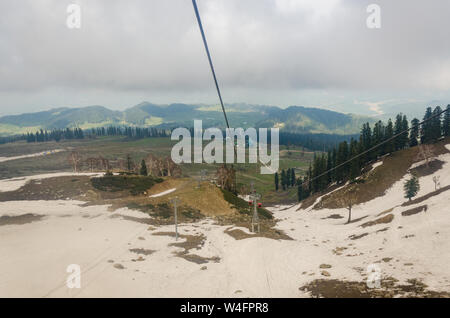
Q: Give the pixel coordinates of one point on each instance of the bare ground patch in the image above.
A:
(428, 169)
(415, 210)
(333, 288)
(20, 219)
(197, 259)
(357, 237)
(142, 251)
(238, 234)
(339, 250)
(266, 232)
(383, 220)
(382, 230)
(333, 216)
(190, 242)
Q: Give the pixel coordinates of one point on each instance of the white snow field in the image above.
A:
(120, 256)
(38, 154)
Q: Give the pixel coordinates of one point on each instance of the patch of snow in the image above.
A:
(376, 164)
(163, 193)
(16, 183)
(39, 154)
(244, 197)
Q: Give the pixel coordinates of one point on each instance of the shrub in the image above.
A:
(135, 184)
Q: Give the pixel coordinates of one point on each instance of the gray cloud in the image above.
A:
(273, 52)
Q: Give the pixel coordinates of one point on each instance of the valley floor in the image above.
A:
(121, 255)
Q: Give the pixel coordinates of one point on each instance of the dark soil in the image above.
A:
(333, 288)
(134, 184)
(415, 210)
(427, 169)
(357, 237)
(383, 220)
(190, 242)
(20, 219)
(142, 251)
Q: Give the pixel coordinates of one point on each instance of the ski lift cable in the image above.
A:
(210, 60)
(197, 14)
(374, 147)
(228, 125)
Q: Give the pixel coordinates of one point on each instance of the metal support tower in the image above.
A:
(175, 201)
(255, 219)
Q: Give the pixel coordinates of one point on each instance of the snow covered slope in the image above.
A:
(123, 253)
(405, 241)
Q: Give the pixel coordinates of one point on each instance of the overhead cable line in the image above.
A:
(210, 60)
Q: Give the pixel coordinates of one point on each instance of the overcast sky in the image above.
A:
(274, 52)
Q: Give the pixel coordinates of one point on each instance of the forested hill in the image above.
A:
(292, 119)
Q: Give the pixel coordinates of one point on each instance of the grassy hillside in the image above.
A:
(62, 118)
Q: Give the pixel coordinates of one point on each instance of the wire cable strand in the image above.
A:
(210, 60)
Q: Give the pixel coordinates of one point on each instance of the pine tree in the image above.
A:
(366, 141)
(277, 181)
(354, 164)
(414, 135)
(323, 180)
(288, 177)
(378, 137)
(333, 164)
(309, 179)
(411, 187)
(427, 127)
(315, 173)
(342, 156)
(329, 167)
(398, 130)
(129, 163)
(283, 179)
(436, 123)
(389, 146)
(404, 136)
(143, 171)
(293, 179)
(446, 123)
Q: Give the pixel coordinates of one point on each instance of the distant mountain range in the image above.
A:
(293, 119)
